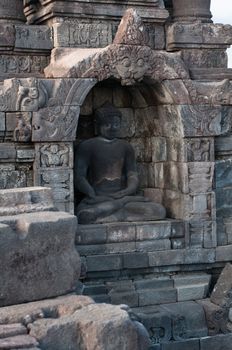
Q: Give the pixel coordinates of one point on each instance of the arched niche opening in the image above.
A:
(152, 124)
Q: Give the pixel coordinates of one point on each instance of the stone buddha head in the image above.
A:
(108, 122)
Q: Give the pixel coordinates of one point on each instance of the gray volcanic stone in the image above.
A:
(222, 291)
(25, 200)
(103, 327)
(37, 256)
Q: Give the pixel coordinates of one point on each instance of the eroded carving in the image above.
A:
(31, 97)
(54, 155)
(22, 132)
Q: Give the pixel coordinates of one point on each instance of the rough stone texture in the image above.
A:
(25, 200)
(37, 251)
(191, 287)
(217, 317)
(153, 11)
(221, 294)
(66, 323)
(188, 320)
(18, 342)
(218, 342)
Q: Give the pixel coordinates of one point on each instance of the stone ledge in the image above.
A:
(25, 200)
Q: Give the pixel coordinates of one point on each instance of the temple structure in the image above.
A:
(163, 65)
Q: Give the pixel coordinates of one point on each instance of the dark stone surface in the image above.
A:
(107, 176)
(218, 342)
(188, 320)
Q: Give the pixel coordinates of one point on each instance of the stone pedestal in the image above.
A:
(12, 11)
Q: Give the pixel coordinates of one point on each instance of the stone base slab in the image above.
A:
(25, 200)
(37, 256)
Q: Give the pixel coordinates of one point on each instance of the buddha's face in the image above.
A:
(109, 127)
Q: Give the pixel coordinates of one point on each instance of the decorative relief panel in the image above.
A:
(82, 34)
(60, 181)
(200, 150)
(11, 65)
(22, 131)
(54, 155)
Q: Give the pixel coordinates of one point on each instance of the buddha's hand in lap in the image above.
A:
(97, 199)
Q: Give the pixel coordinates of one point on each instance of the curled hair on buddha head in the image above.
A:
(105, 112)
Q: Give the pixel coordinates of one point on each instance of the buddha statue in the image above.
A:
(106, 174)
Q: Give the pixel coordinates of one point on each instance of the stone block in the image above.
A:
(200, 149)
(25, 200)
(33, 38)
(154, 194)
(106, 248)
(110, 327)
(147, 122)
(94, 289)
(7, 36)
(142, 148)
(181, 256)
(222, 290)
(223, 253)
(9, 330)
(135, 260)
(154, 245)
(200, 177)
(7, 151)
(204, 121)
(192, 292)
(193, 278)
(178, 243)
(35, 242)
(188, 319)
(18, 342)
(156, 230)
(91, 234)
(128, 298)
(177, 229)
(223, 172)
(171, 123)
(223, 201)
(216, 317)
(223, 144)
(217, 342)
(157, 296)
(104, 262)
(207, 58)
(191, 286)
(159, 149)
(222, 237)
(97, 34)
(163, 258)
(2, 121)
(25, 154)
(157, 323)
(64, 322)
(120, 232)
(154, 283)
(121, 97)
(190, 344)
(60, 180)
(127, 122)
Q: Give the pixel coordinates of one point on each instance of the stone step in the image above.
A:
(18, 342)
(151, 291)
(10, 330)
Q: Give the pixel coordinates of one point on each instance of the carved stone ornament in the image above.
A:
(128, 59)
(58, 121)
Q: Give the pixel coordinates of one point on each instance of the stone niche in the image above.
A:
(153, 128)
